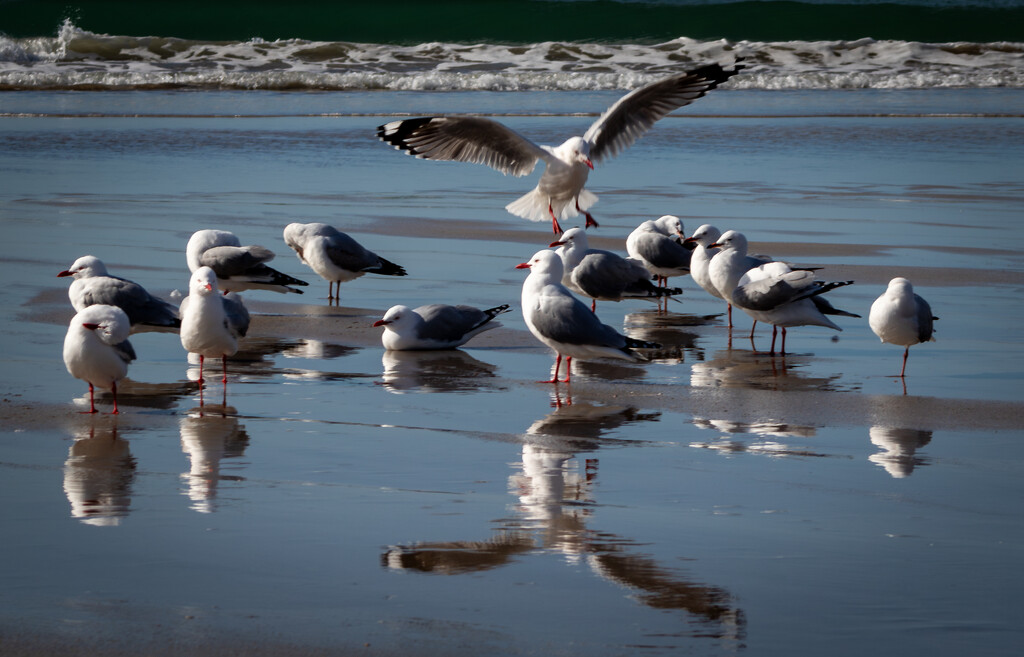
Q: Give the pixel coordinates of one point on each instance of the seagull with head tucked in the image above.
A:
(96, 348)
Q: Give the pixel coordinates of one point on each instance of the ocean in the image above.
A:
(335, 498)
(507, 46)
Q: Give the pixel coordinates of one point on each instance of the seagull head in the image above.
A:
(576, 150)
(394, 315)
(110, 323)
(203, 282)
(731, 240)
(670, 225)
(705, 234)
(544, 263)
(85, 267)
(574, 235)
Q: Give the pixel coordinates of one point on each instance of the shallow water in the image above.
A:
(346, 496)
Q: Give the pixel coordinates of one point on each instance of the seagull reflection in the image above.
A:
(556, 500)
(666, 330)
(98, 475)
(736, 368)
(317, 350)
(772, 437)
(447, 370)
(900, 447)
(209, 435)
(254, 359)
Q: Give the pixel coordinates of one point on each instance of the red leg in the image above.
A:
(113, 389)
(593, 306)
(590, 218)
(201, 382)
(92, 402)
(751, 328)
(558, 364)
(730, 314)
(775, 331)
(783, 352)
(906, 352)
(568, 369)
(554, 221)
(224, 363)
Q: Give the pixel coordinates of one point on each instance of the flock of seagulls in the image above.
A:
(213, 318)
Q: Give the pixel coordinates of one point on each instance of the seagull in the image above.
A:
(700, 257)
(602, 274)
(658, 244)
(435, 326)
(93, 285)
(96, 348)
(559, 193)
(730, 263)
(563, 322)
(211, 324)
(334, 255)
(237, 267)
(901, 317)
(776, 294)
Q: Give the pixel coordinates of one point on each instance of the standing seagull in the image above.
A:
(730, 264)
(901, 317)
(602, 274)
(237, 267)
(96, 348)
(658, 244)
(559, 193)
(436, 326)
(94, 286)
(700, 258)
(783, 297)
(564, 323)
(334, 255)
(211, 324)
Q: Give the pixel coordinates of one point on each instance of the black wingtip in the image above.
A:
(497, 310)
(396, 132)
(388, 268)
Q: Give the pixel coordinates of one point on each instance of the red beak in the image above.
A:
(523, 265)
(381, 322)
(556, 243)
(590, 164)
(91, 327)
(209, 287)
(64, 273)
(716, 245)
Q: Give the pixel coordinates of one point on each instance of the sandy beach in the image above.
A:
(338, 499)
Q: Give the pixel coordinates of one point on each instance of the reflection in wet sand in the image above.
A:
(667, 330)
(135, 394)
(210, 434)
(738, 368)
(317, 350)
(555, 503)
(254, 358)
(98, 474)
(771, 437)
(448, 370)
(899, 458)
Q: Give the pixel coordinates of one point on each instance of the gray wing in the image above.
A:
(125, 351)
(662, 251)
(349, 254)
(770, 293)
(140, 306)
(925, 326)
(236, 319)
(566, 319)
(604, 275)
(464, 139)
(443, 322)
(634, 114)
(228, 261)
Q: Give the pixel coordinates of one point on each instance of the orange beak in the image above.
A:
(523, 265)
(556, 243)
(64, 273)
(381, 322)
